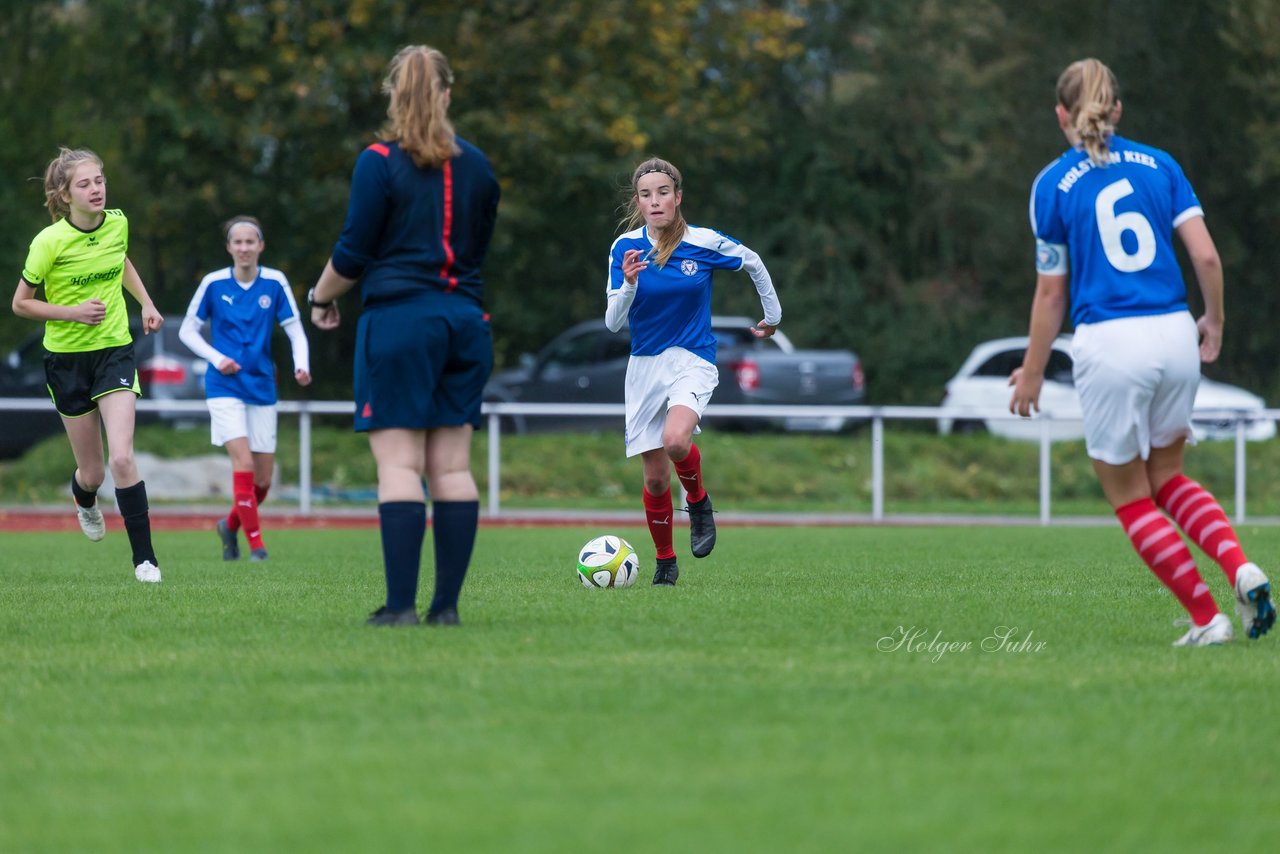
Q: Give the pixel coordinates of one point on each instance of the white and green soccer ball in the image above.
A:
(608, 561)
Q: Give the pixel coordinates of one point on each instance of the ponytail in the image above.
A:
(417, 84)
(57, 178)
(1089, 92)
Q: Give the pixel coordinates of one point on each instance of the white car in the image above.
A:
(981, 387)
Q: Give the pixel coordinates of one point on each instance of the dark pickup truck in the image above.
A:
(588, 364)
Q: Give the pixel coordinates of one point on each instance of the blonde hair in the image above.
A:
(57, 178)
(417, 84)
(1088, 91)
(668, 238)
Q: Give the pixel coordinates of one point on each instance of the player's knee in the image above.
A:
(123, 468)
(677, 446)
(656, 486)
(91, 479)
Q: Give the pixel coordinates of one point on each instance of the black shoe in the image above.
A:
(258, 554)
(702, 527)
(385, 616)
(230, 546)
(667, 572)
(443, 617)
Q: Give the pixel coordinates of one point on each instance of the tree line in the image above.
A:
(878, 154)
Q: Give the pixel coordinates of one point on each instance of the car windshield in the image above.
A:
(1004, 363)
(733, 338)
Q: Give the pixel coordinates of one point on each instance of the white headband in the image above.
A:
(244, 222)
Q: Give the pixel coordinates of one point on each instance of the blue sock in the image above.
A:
(404, 524)
(453, 527)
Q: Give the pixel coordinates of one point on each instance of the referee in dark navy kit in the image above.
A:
(422, 210)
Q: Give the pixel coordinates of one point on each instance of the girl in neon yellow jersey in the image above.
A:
(81, 263)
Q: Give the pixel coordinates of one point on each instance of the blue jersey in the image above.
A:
(417, 233)
(672, 306)
(1112, 229)
(241, 319)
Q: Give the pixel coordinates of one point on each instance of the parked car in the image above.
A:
(588, 364)
(167, 370)
(982, 385)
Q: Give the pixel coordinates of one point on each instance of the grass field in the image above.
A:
(764, 704)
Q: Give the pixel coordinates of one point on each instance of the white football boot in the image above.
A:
(91, 522)
(1216, 631)
(147, 571)
(1253, 601)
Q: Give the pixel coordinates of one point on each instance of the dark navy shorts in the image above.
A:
(77, 380)
(421, 365)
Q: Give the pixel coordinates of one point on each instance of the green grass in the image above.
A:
(245, 707)
(924, 472)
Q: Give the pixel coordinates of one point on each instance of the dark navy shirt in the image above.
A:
(414, 232)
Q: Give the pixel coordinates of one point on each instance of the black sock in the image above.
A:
(132, 503)
(83, 497)
(404, 524)
(453, 527)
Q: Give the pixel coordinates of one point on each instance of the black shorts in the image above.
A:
(77, 380)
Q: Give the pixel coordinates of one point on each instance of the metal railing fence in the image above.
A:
(875, 415)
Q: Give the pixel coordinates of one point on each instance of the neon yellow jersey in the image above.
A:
(73, 266)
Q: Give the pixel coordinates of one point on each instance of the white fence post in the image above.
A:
(1045, 473)
(304, 459)
(1240, 471)
(495, 483)
(877, 467)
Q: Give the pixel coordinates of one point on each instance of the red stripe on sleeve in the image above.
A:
(381, 149)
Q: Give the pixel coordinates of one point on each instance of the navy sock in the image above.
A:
(404, 524)
(133, 506)
(453, 527)
(83, 497)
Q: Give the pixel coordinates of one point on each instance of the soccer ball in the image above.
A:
(608, 561)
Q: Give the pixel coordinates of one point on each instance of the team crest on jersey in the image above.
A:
(264, 301)
(689, 268)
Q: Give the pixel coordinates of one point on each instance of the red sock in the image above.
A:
(657, 510)
(233, 518)
(689, 470)
(246, 507)
(1200, 515)
(1158, 544)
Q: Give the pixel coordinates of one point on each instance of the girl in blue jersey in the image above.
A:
(422, 211)
(1104, 214)
(242, 304)
(82, 265)
(660, 285)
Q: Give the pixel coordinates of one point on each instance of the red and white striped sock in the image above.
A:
(657, 512)
(1202, 518)
(1159, 545)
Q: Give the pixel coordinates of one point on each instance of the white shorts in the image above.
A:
(232, 418)
(675, 377)
(1137, 379)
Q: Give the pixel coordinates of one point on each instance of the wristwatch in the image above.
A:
(311, 300)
